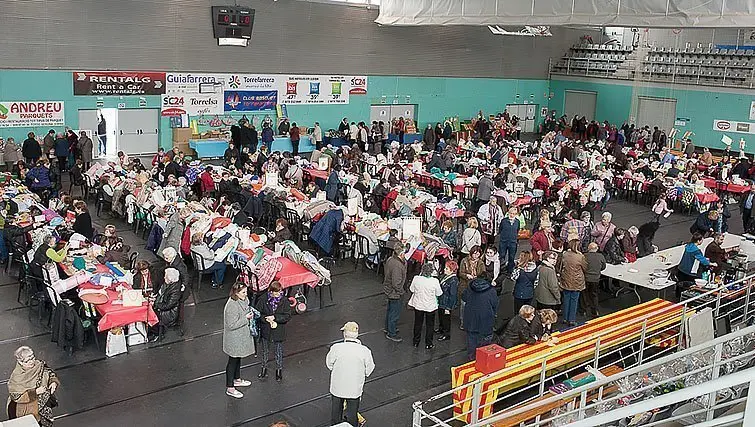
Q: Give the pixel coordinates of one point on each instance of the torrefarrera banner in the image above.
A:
(118, 83)
(31, 113)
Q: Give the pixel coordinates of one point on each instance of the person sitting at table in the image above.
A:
(83, 222)
(706, 159)
(200, 248)
(172, 260)
(166, 303)
(46, 253)
(38, 179)
(716, 254)
(311, 190)
(688, 270)
(448, 234)
(281, 233)
(705, 223)
(143, 276)
(542, 324)
(519, 329)
(20, 170)
(629, 244)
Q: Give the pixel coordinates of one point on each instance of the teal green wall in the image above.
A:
(701, 107)
(436, 98)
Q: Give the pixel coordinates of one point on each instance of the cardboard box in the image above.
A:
(181, 135)
(490, 358)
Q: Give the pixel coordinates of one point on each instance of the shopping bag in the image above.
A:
(116, 342)
(136, 333)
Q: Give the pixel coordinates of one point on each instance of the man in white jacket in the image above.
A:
(350, 363)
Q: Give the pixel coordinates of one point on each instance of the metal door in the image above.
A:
(138, 130)
(380, 113)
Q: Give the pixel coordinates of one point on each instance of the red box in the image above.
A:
(490, 358)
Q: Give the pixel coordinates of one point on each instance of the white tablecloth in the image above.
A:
(667, 259)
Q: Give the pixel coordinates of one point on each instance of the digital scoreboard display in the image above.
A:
(232, 22)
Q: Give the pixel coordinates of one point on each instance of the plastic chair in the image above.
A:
(362, 251)
(201, 267)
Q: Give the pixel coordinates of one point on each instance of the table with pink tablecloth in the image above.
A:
(709, 182)
(707, 197)
(523, 201)
(736, 188)
(291, 273)
(419, 255)
(114, 315)
(316, 173)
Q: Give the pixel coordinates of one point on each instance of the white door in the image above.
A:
(138, 131)
(529, 118)
(659, 112)
(380, 113)
(580, 103)
(407, 111)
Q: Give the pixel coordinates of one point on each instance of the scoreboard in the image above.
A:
(232, 22)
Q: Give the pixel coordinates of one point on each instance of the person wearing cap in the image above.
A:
(393, 285)
(350, 362)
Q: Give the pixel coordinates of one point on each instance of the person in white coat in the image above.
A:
(425, 292)
(350, 363)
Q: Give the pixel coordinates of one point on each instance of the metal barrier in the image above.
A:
(736, 306)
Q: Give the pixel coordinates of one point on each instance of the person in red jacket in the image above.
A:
(542, 240)
(207, 184)
(294, 134)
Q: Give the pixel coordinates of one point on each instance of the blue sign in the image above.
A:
(250, 100)
(314, 88)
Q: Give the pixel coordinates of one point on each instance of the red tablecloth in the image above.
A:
(522, 201)
(419, 255)
(735, 188)
(709, 182)
(707, 198)
(292, 274)
(316, 173)
(114, 315)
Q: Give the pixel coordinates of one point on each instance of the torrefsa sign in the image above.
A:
(31, 113)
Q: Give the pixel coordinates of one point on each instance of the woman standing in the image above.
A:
(447, 302)
(425, 292)
(471, 268)
(31, 388)
(542, 240)
(573, 269)
(525, 278)
(603, 230)
(237, 338)
(275, 312)
(295, 136)
(471, 236)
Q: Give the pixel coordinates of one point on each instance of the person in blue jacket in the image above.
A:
(267, 135)
(331, 186)
(448, 301)
(693, 262)
(481, 304)
(509, 232)
(62, 152)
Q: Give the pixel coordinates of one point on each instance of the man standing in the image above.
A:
(509, 231)
(102, 134)
(317, 134)
(49, 142)
(31, 150)
(86, 146)
(350, 363)
(746, 208)
(393, 286)
(484, 190)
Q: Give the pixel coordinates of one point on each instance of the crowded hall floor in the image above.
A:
(181, 369)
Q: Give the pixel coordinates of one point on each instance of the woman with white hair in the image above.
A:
(519, 329)
(167, 301)
(237, 338)
(31, 388)
(425, 292)
(603, 230)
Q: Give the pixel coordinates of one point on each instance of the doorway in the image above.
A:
(89, 121)
(580, 103)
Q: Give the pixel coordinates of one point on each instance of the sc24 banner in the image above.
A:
(250, 100)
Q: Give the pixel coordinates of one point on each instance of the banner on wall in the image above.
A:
(752, 110)
(315, 90)
(198, 104)
(31, 113)
(250, 100)
(118, 83)
(732, 126)
(358, 85)
(291, 89)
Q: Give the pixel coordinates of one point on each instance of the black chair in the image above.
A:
(103, 200)
(362, 251)
(201, 268)
(330, 264)
(269, 214)
(132, 260)
(89, 323)
(80, 183)
(294, 224)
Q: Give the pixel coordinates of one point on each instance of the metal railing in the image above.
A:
(733, 302)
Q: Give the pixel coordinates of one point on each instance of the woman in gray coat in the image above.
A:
(86, 146)
(11, 153)
(237, 338)
(172, 233)
(547, 291)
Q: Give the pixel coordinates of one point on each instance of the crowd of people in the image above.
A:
(552, 192)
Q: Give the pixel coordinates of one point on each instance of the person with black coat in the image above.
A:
(166, 302)
(275, 312)
(83, 222)
(613, 252)
(481, 304)
(519, 329)
(645, 238)
(171, 168)
(231, 155)
(249, 137)
(31, 149)
(745, 208)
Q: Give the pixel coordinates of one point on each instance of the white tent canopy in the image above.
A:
(625, 13)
